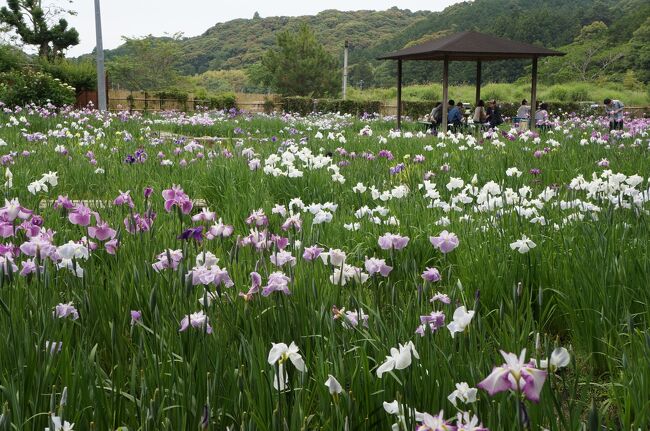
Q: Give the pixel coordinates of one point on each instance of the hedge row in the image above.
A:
(172, 99)
(306, 105)
(510, 109)
(222, 101)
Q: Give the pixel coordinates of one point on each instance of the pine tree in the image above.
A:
(29, 19)
(300, 66)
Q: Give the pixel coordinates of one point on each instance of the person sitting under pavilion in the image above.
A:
(454, 116)
(435, 117)
(523, 113)
(541, 117)
(494, 115)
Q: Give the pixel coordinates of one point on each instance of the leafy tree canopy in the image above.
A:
(150, 65)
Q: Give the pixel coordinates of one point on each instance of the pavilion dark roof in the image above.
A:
(470, 46)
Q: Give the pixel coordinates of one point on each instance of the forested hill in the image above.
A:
(240, 43)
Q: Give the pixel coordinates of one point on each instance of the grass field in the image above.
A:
(361, 245)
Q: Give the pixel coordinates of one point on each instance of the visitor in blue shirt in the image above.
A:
(454, 116)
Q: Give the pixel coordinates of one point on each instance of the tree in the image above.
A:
(640, 44)
(591, 56)
(11, 58)
(37, 25)
(300, 66)
(362, 74)
(148, 63)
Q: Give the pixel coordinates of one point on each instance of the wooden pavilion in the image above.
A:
(468, 46)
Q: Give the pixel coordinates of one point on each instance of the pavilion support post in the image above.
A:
(399, 94)
(478, 82)
(445, 93)
(533, 95)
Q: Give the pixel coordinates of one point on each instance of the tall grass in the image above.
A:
(583, 287)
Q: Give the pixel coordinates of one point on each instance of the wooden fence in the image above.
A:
(141, 101)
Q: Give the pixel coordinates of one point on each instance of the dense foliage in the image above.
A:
(299, 66)
(150, 65)
(20, 87)
(25, 80)
(11, 58)
(321, 272)
(619, 43)
(80, 74)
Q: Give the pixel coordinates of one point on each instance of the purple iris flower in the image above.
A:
(195, 233)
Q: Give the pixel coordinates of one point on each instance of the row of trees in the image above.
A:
(592, 56)
(299, 64)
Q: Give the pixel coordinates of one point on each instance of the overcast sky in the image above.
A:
(193, 17)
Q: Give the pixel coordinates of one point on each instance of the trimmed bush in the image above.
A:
(222, 101)
(297, 104)
(416, 110)
(306, 105)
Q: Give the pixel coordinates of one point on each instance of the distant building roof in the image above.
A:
(470, 46)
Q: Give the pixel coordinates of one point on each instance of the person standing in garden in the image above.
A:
(614, 110)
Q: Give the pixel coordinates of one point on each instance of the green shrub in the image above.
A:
(221, 101)
(80, 75)
(353, 107)
(11, 58)
(578, 93)
(269, 105)
(298, 104)
(306, 105)
(416, 110)
(495, 91)
(21, 87)
(558, 92)
(177, 95)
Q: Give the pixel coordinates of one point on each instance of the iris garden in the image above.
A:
(225, 270)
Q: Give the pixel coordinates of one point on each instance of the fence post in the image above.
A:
(146, 102)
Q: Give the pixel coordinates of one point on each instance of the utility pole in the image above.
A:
(345, 70)
(101, 75)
